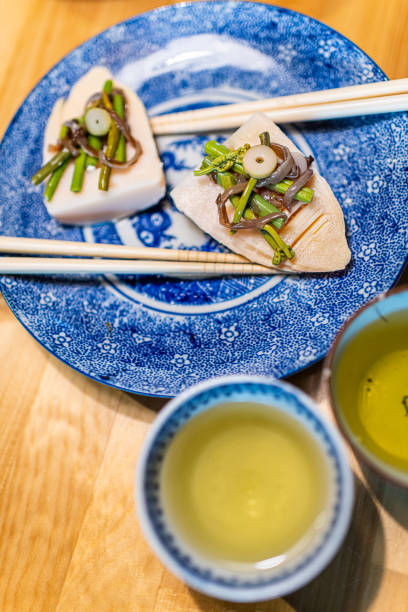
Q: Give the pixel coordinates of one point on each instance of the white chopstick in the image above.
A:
(371, 98)
(39, 246)
(53, 265)
(129, 260)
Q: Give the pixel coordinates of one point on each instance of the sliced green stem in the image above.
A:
(54, 180)
(96, 143)
(243, 201)
(119, 108)
(64, 131)
(79, 171)
(48, 168)
(278, 255)
(112, 143)
(265, 139)
(227, 180)
(111, 146)
(108, 86)
(289, 252)
(91, 161)
(266, 208)
(54, 163)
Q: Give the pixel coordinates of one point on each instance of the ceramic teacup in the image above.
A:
(216, 578)
(369, 353)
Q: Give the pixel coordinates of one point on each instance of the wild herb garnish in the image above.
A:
(97, 138)
(230, 167)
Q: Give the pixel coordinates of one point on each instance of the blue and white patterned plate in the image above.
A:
(156, 336)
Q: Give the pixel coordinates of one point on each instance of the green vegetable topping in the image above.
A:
(54, 163)
(112, 143)
(243, 201)
(213, 148)
(54, 179)
(265, 139)
(103, 127)
(79, 171)
(224, 161)
(119, 108)
(250, 205)
(281, 250)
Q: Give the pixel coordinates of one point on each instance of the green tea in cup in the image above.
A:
(244, 482)
(243, 488)
(367, 373)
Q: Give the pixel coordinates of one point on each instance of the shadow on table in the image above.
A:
(153, 403)
(348, 584)
(351, 580)
(393, 498)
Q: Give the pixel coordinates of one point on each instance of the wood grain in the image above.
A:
(68, 447)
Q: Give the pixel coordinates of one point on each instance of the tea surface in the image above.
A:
(243, 482)
(372, 387)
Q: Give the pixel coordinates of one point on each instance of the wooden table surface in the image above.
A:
(69, 538)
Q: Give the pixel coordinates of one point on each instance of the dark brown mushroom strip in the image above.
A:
(241, 178)
(121, 124)
(301, 164)
(96, 97)
(77, 136)
(213, 177)
(295, 187)
(68, 143)
(270, 196)
(256, 223)
(94, 100)
(81, 139)
(124, 128)
(117, 165)
(282, 170)
(73, 125)
(231, 191)
(294, 173)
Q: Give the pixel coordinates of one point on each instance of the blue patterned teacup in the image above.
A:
(234, 581)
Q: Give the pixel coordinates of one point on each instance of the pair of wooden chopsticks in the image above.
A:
(372, 98)
(118, 259)
(368, 99)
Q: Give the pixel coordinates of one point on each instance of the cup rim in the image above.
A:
(327, 376)
(287, 584)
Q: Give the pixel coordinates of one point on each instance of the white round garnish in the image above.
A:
(259, 161)
(97, 121)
